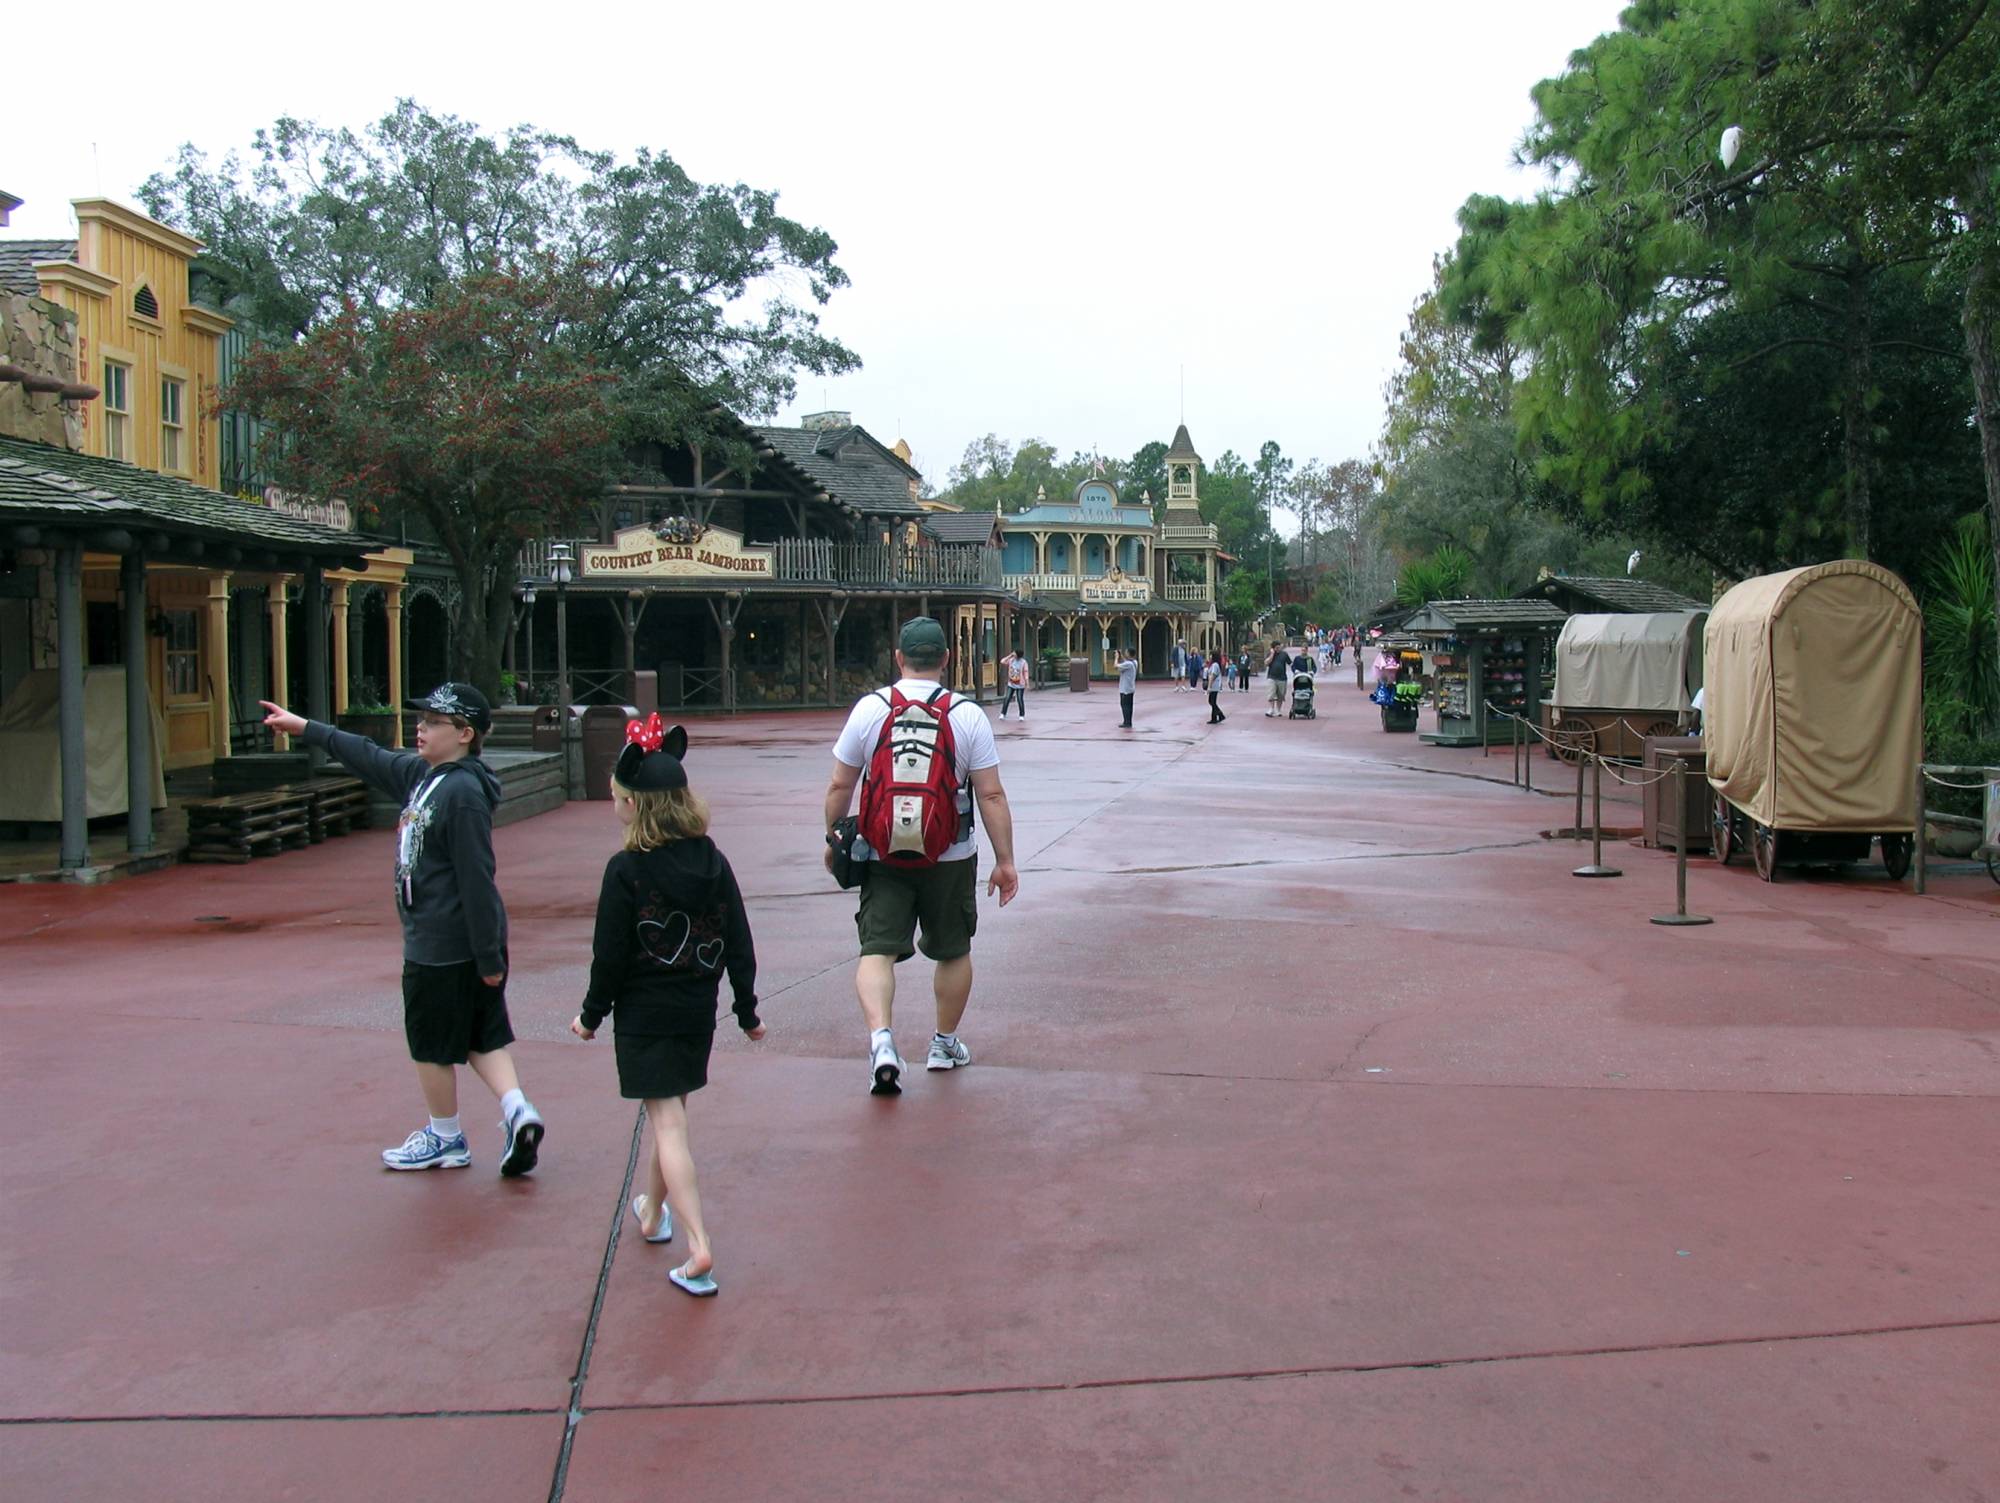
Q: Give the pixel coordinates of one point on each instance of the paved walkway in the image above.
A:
(1326, 1140)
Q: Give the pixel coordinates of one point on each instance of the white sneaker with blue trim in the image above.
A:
(424, 1149)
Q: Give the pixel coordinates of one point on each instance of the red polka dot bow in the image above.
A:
(647, 734)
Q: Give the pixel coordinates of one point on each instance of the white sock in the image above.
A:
(880, 1037)
(511, 1103)
(446, 1127)
(945, 1038)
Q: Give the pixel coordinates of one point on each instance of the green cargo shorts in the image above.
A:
(942, 899)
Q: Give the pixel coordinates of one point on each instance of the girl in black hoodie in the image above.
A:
(670, 922)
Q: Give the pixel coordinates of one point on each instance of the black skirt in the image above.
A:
(652, 1066)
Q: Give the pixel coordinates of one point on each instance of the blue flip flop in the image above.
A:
(697, 1284)
(665, 1233)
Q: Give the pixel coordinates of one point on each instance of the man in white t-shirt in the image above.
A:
(941, 901)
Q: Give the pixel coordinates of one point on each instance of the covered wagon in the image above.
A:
(1813, 715)
(1622, 678)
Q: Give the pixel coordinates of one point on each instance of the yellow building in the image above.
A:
(155, 357)
(152, 354)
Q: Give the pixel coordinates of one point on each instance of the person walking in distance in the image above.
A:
(1180, 665)
(1212, 681)
(1194, 667)
(922, 760)
(1128, 684)
(1276, 671)
(1016, 668)
(1243, 674)
(1017, 684)
(454, 924)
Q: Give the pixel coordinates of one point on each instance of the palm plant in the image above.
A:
(1961, 665)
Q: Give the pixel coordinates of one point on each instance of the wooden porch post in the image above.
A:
(74, 851)
(138, 708)
(216, 661)
(314, 588)
(343, 662)
(393, 603)
(281, 663)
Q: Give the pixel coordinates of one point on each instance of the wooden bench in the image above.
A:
(241, 826)
(334, 806)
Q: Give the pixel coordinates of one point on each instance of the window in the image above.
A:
(171, 394)
(117, 410)
(183, 654)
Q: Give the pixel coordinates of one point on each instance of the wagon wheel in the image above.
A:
(1764, 846)
(1725, 832)
(1573, 740)
(1896, 852)
(1659, 728)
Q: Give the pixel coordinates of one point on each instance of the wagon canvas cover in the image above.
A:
(1649, 662)
(1813, 707)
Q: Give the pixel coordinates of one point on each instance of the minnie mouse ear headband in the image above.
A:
(651, 759)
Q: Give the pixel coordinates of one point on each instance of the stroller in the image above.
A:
(1302, 695)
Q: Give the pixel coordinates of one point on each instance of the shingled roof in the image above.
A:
(975, 527)
(39, 483)
(1614, 595)
(1486, 615)
(1183, 446)
(851, 465)
(18, 258)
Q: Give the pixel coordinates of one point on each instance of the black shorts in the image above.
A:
(449, 1012)
(894, 902)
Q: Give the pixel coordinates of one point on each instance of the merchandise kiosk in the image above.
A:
(1485, 653)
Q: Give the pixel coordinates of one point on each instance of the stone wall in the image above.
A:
(40, 338)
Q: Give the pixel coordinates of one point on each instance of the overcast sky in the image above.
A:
(1048, 211)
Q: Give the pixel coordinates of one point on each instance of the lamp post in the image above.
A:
(528, 610)
(561, 569)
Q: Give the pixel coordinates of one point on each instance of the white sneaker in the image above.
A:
(947, 1054)
(886, 1066)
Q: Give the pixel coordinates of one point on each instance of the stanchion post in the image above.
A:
(1680, 917)
(1527, 755)
(1597, 868)
(1581, 757)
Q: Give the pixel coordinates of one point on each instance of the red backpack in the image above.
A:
(909, 794)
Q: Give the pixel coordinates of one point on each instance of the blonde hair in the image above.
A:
(661, 815)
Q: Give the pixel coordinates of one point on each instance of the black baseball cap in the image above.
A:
(462, 700)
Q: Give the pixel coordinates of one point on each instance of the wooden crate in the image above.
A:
(246, 825)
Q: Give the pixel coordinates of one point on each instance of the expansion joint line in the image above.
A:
(561, 1478)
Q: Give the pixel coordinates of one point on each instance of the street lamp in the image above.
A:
(528, 610)
(562, 568)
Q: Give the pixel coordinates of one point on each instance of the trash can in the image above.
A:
(545, 734)
(1667, 822)
(1079, 675)
(603, 737)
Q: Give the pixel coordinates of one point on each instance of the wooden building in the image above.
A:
(1096, 573)
(221, 636)
(775, 572)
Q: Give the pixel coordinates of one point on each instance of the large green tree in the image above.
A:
(682, 300)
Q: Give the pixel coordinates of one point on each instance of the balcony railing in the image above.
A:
(1028, 584)
(820, 561)
(1171, 535)
(1196, 590)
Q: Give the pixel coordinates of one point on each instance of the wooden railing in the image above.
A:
(1027, 584)
(1196, 590)
(822, 561)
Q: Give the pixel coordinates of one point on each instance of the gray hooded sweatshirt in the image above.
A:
(445, 892)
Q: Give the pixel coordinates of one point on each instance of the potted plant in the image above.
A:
(367, 713)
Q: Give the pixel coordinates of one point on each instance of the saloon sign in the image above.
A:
(641, 553)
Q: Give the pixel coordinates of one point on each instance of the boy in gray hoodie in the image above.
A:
(454, 927)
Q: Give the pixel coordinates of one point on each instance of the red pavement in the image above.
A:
(1326, 1139)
